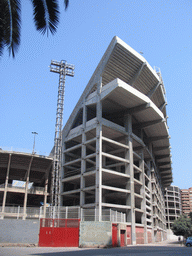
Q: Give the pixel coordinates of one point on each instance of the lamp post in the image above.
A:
(35, 133)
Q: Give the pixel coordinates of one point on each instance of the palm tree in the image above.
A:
(45, 15)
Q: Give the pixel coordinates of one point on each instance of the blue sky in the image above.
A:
(160, 29)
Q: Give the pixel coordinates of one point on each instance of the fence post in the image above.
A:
(82, 217)
(18, 210)
(40, 212)
(53, 212)
(95, 214)
(66, 213)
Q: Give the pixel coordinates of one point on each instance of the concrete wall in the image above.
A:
(171, 236)
(19, 231)
(95, 234)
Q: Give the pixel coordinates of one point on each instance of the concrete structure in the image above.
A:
(116, 150)
(186, 200)
(23, 202)
(173, 207)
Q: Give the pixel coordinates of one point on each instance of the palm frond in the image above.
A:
(45, 15)
(53, 11)
(66, 3)
(2, 43)
(12, 25)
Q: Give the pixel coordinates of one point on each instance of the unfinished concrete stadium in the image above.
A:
(116, 149)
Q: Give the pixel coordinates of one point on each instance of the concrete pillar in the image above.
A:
(98, 190)
(5, 189)
(26, 188)
(153, 231)
(143, 203)
(83, 161)
(46, 188)
(129, 170)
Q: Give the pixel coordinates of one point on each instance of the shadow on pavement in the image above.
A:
(152, 250)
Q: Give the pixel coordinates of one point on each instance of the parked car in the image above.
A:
(189, 241)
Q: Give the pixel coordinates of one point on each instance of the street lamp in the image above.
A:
(35, 133)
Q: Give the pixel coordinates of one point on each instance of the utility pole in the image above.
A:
(63, 69)
(35, 133)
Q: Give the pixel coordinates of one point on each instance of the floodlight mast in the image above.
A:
(63, 69)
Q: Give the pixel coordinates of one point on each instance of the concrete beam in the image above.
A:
(151, 139)
(147, 124)
(163, 170)
(116, 206)
(131, 111)
(164, 163)
(150, 94)
(137, 74)
(162, 106)
(161, 148)
(118, 174)
(162, 156)
(115, 189)
(115, 142)
(115, 157)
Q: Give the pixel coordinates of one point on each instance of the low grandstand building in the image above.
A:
(24, 184)
(116, 149)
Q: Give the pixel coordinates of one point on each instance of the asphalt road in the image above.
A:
(155, 250)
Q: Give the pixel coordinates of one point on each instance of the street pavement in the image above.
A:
(166, 248)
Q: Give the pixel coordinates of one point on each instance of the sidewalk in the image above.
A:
(172, 243)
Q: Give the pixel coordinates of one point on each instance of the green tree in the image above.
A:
(45, 16)
(182, 226)
(190, 216)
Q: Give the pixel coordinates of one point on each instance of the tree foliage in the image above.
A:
(182, 226)
(45, 16)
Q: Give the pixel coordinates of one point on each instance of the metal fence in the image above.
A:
(107, 215)
(68, 212)
(18, 212)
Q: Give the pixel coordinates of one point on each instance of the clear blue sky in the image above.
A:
(160, 29)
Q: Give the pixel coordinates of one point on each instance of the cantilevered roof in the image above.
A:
(20, 163)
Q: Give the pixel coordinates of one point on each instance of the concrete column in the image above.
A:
(153, 231)
(143, 203)
(46, 188)
(129, 170)
(5, 189)
(150, 188)
(83, 155)
(26, 188)
(98, 180)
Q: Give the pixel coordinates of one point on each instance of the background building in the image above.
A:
(116, 151)
(173, 207)
(186, 199)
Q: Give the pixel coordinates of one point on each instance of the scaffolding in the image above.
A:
(63, 69)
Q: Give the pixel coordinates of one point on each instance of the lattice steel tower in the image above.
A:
(64, 69)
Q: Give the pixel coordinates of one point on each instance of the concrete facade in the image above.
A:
(116, 150)
(173, 207)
